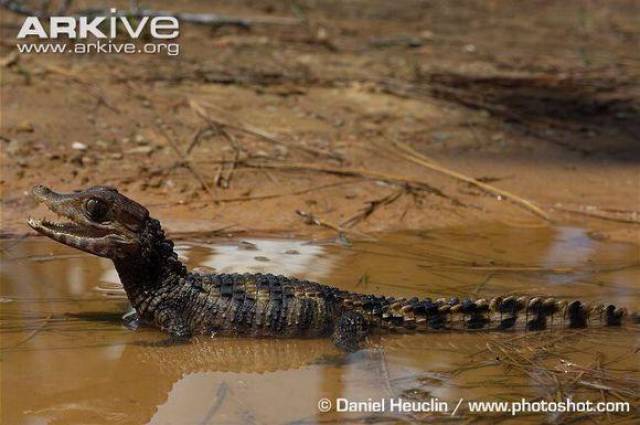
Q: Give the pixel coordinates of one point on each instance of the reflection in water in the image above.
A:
(571, 247)
(67, 359)
(287, 257)
(233, 380)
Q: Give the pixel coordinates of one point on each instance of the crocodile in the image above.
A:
(166, 295)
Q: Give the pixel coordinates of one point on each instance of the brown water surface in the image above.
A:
(66, 358)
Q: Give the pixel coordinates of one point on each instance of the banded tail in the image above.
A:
(498, 313)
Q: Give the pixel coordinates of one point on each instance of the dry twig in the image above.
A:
(599, 214)
(208, 19)
(254, 131)
(412, 155)
(32, 334)
(185, 162)
(352, 172)
(310, 218)
(371, 207)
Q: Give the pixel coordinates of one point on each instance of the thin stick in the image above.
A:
(500, 268)
(254, 131)
(292, 193)
(10, 59)
(209, 19)
(412, 155)
(237, 149)
(352, 172)
(197, 136)
(31, 335)
(184, 161)
(310, 218)
(18, 8)
(371, 207)
(599, 216)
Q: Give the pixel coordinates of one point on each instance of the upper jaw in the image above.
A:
(74, 231)
(62, 204)
(44, 194)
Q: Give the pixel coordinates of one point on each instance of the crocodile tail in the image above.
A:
(500, 313)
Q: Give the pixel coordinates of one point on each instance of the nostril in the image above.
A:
(42, 193)
(40, 190)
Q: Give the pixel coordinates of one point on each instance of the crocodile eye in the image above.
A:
(96, 209)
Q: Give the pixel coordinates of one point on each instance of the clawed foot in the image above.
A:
(131, 320)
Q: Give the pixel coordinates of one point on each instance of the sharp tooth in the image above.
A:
(33, 222)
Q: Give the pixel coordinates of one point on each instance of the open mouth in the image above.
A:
(56, 229)
(70, 232)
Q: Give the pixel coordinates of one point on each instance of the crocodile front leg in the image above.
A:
(131, 320)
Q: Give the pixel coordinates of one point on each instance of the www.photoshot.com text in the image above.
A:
(462, 407)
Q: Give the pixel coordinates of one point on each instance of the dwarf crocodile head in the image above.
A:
(102, 221)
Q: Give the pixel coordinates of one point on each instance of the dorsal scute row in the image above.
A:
(481, 313)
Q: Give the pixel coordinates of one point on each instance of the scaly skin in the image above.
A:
(164, 293)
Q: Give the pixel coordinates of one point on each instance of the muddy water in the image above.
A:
(67, 359)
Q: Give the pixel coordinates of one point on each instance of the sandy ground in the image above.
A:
(327, 124)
